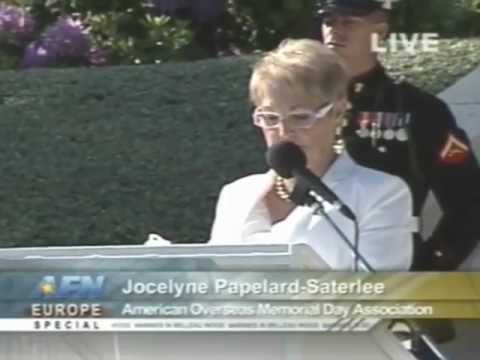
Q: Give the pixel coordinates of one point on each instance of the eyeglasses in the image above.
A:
(298, 119)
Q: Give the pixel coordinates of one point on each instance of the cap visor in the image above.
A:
(345, 10)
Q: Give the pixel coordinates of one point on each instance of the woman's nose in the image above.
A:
(285, 131)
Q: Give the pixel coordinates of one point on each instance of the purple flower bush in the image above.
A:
(35, 36)
(16, 25)
(66, 42)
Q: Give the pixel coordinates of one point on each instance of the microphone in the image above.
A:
(288, 160)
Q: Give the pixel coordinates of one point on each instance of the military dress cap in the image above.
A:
(353, 7)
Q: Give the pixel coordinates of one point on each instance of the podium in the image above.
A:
(378, 344)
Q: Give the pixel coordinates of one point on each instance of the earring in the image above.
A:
(339, 143)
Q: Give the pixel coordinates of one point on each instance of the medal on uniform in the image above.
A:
(380, 126)
(389, 133)
(402, 134)
(363, 121)
(375, 133)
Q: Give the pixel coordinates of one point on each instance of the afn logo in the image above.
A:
(71, 287)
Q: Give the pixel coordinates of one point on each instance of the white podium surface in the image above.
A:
(376, 345)
(205, 346)
(183, 346)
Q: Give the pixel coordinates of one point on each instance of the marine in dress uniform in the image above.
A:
(397, 128)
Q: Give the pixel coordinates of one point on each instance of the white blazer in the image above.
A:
(381, 202)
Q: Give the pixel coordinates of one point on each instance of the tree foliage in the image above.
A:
(106, 157)
(449, 18)
(154, 31)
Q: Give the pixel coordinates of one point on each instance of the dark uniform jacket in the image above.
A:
(398, 128)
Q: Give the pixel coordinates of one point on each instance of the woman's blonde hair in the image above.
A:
(301, 65)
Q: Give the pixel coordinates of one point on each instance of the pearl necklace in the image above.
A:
(281, 189)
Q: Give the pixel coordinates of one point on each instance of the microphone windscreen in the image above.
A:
(285, 157)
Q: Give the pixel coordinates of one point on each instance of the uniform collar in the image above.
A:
(367, 80)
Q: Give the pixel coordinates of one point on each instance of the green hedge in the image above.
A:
(106, 156)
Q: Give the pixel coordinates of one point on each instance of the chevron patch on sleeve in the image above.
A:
(454, 151)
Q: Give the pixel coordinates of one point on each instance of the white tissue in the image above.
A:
(156, 240)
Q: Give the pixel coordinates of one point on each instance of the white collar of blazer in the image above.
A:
(258, 185)
(340, 170)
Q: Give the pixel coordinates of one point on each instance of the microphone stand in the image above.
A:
(358, 256)
(303, 195)
(422, 346)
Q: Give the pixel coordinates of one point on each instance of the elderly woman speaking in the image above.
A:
(299, 94)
